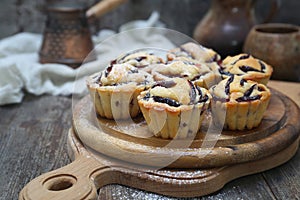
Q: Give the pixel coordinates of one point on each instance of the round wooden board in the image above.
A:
(91, 170)
(131, 141)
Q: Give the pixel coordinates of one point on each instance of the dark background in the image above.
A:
(181, 15)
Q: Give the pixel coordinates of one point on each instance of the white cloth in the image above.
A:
(20, 69)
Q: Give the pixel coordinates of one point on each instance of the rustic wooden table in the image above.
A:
(33, 141)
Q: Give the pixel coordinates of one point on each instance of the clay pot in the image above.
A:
(227, 23)
(279, 46)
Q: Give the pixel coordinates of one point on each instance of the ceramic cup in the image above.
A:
(278, 45)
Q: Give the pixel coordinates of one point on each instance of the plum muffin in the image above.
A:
(206, 60)
(194, 51)
(238, 103)
(198, 73)
(114, 91)
(140, 59)
(174, 108)
(248, 67)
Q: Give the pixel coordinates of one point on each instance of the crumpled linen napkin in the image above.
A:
(20, 69)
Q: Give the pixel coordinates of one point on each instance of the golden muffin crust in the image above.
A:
(181, 69)
(194, 51)
(174, 108)
(238, 89)
(141, 59)
(247, 66)
(117, 74)
(114, 91)
(175, 92)
(239, 104)
(201, 74)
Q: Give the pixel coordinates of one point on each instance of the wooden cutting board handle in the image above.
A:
(72, 182)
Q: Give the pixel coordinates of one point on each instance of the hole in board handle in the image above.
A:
(59, 182)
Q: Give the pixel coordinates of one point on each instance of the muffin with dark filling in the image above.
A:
(206, 60)
(194, 51)
(198, 73)
(179, 69)
(239, 104)
(142, 60)
(114, 91)
(174, 108)
(248, 67)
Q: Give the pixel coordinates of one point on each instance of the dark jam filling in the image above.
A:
(113, 62)
(97, 78)
(170, 102)
(141, 66)
(249, 91)
(215, 58)
(246, 69)
(120, 60)
(227, 86)
(202, 98)
(260, 89)
(192, 93)
(109, 68)
(196, 77)
(199, 91)
(134, 71)
(262, 66)
(220, 62)
(243, 57)
(139, 59)
(245, 98)
(146, 97)
(199, 76)
(166, 84)
(242, 82)
(224, 73)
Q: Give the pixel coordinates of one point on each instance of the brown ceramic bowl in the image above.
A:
(279, 46)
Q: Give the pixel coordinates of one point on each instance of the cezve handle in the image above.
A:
(103, 7)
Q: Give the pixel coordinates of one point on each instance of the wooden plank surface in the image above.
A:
(32, 141)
